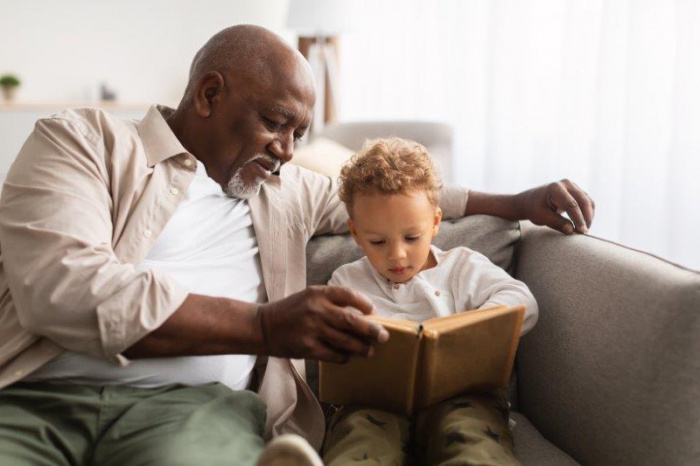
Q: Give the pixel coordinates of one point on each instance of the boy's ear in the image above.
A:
(436, 221)
(353, 230)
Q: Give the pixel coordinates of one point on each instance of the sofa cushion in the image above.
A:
(532, 449)
(323, 156)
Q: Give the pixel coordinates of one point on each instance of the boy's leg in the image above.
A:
(469, 429)
(180, 425)
(361, 436)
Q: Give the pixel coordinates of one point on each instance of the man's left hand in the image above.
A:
(542, 205)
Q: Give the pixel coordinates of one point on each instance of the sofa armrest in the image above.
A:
(611, 371)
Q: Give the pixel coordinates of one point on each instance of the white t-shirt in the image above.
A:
(210, 247)
(462, 280)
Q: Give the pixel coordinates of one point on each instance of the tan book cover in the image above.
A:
(426, 363)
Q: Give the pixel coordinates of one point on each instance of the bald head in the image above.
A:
(249, 99)
(251, 54)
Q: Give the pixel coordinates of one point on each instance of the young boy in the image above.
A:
(391, 191)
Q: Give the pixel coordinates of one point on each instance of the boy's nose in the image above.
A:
(397, 254)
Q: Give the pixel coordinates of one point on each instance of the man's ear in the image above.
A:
(436, 221)
(210, 91)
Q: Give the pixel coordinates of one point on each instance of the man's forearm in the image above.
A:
(204, 325)
(499, 205)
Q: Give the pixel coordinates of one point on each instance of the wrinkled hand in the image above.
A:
(544, 204)
(315, 324)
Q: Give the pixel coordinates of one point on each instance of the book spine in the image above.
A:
(513, 347)
(425, 368)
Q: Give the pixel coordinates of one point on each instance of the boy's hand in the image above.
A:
(316, 324)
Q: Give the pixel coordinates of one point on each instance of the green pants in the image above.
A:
(465, 430)
(50, 424)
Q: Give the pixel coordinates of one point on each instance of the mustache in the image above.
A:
(269, 161)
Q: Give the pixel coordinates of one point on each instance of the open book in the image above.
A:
(424, 364)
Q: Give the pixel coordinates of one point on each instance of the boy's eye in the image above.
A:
(411, 239)
(377, 242)
(273, 125)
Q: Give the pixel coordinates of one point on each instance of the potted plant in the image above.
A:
(9, 84)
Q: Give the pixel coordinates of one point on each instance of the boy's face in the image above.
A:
(395, 232)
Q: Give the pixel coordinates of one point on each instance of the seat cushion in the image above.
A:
(532, 449)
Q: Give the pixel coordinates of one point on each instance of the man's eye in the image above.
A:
(273, 125)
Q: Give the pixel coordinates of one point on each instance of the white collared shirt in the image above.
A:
(462, 280)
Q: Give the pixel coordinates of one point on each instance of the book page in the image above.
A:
(385, 381)
(472, 351)
(462, 318)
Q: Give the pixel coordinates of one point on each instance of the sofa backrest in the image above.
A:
(492, 236)
(611, 371)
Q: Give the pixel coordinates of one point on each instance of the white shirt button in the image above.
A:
(174, 191)
(437, 292)
(147, 233)
(188, 162)
(19, 373)
(396, 287)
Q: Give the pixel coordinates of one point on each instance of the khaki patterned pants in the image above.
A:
(465, 430)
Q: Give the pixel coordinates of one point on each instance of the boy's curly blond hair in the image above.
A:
(389, 166)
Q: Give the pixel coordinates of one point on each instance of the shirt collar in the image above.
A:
(386, 283)
(159, 141)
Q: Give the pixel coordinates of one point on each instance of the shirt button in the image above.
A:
(147, 233)
(19, 373)
(396, 287)
(437, 292)
(188, 162)
(174, 191)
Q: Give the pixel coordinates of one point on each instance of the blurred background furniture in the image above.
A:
(610, 373)
(329, 149)
(318, 24)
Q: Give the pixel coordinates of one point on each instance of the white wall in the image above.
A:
(63, 49)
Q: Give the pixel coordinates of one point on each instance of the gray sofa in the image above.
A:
(610, 375)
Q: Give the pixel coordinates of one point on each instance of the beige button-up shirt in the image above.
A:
(83, 204)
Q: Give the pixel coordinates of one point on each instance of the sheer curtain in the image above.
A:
(606, 93)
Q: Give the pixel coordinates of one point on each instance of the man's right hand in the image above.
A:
(316, 324)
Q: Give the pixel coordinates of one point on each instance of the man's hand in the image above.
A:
(544, 204)
(541, 205)
(315, 324)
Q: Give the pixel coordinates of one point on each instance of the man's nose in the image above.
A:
(283, 148)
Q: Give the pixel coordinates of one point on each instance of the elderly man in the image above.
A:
(153, 272)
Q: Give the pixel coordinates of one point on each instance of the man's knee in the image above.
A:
(187, 426)
(240, 450)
